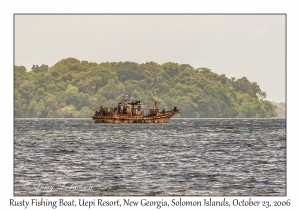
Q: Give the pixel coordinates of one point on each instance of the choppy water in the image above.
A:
(205, 157)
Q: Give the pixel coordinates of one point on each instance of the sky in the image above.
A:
(235, 45)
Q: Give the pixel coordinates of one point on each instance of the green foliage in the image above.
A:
(37, 68)
(69, 112)
(71, 95)
(72, 88)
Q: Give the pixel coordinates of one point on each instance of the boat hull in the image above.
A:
(103, 119)
(164, 118)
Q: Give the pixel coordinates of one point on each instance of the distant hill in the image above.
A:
(280, 110)
(71, 88)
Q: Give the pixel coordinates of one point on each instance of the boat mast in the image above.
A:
(124, 97)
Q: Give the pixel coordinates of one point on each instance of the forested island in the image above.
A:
(73, 88)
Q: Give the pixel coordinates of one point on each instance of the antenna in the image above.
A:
(125, 96)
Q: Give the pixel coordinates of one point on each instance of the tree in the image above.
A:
(38, 69)
(26, 89)
(71, 94)
(71, 88)
(69, 112)
(86, 112)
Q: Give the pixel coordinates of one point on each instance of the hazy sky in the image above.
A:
(235, 45)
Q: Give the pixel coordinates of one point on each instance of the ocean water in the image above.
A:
(186, 157)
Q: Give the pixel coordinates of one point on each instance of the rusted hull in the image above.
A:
(103, 119)
(120, 118)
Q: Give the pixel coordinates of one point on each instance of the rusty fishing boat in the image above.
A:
(132, 112)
